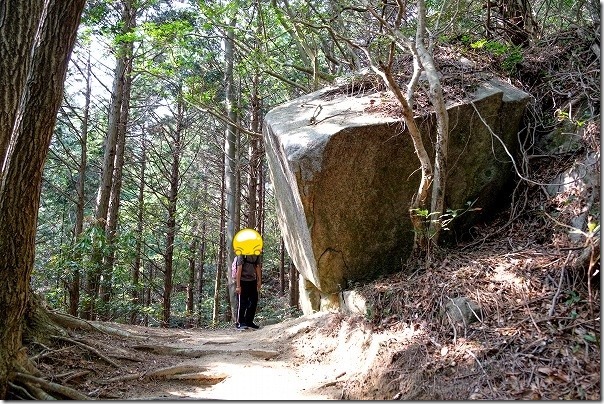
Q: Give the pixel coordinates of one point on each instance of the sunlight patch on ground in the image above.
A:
(255, 382)
(503, 274)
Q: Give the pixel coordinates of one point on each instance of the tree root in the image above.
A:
(48, 351)
(42, 389)
(265, 354)
(26, 382)
(197, 353)
(116, 352)
(168, 350)
(88, 347)
(65, 377)
(180, 372)
(71, 322)
(20, 392)
(202, 378)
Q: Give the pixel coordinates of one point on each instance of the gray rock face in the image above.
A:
(344, 175)
(462, 311)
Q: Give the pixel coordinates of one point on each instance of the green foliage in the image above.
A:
(273, 309)
(95, 13)
(511, 55)
(572, 298)
(562, 116)
(445, 219)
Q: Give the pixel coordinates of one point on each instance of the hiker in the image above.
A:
(247, 286)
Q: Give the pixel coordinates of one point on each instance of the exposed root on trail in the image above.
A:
(88, 347)
(75, 359)
(196, 374)
(41, 389)
(27, 383)
(70, 322)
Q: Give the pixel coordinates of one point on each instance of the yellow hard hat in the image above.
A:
(247, 242)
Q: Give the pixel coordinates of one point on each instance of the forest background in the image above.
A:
(122, 206)
(158, 139)
(157, 157)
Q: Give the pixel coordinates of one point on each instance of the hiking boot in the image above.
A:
(254, 326)
(242, 326)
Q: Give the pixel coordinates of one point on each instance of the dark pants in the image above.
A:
(248, 301)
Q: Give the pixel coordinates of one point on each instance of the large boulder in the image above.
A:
(344, 172)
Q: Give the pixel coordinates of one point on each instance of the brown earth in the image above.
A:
(307, 358)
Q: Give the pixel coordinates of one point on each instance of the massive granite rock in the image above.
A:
(344, 173)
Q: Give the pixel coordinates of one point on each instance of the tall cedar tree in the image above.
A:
(39, 37)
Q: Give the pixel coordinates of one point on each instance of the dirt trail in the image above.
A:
(307, 358)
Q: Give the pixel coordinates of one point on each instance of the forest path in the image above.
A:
(298, 359)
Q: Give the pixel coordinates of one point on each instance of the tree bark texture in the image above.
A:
(39, 36)
(18, 24)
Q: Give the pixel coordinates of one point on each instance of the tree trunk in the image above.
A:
(294, 294)
(441, 147)
(262, 175)
(419, 201)
(20, 22)
(93, 276)
(129, 18)
(147, 291)
(74, 287)
(171, 221)
(419, 207)
(138, 249)
(200, 272)
(254, 157)
(39, 38)
(191, 280)
(488, 24)
(221, 253)
(282, 267)
(308, 50)
(229, 159)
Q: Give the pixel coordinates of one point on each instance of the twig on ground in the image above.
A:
(552, 309)
(481, 368)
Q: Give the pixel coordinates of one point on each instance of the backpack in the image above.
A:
(234, 268)
(234, 265)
